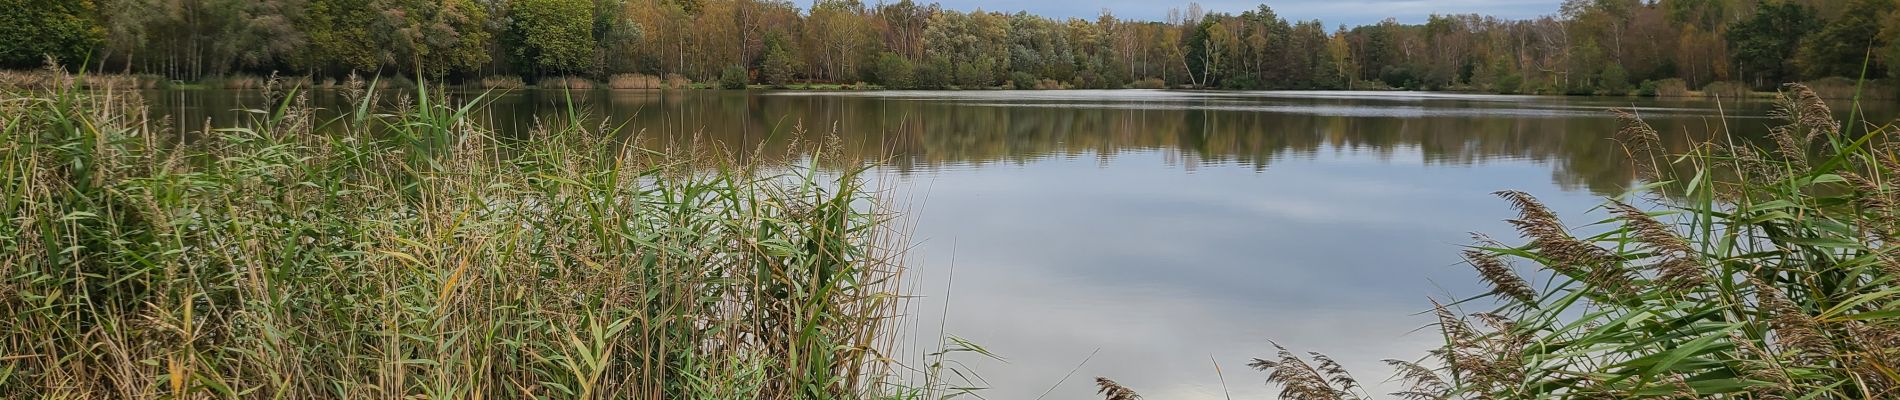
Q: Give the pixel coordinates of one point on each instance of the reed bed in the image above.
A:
(402, 251)
(635, 81)
(1844, 88)
(48, 79)
(501, 82)
(1727, 90)
(567, 82)
(1774, 282)
(1755, 273)
(1672, 87)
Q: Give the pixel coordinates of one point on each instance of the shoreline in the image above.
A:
(1827, 88)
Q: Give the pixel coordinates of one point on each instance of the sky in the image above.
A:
(1333, 12)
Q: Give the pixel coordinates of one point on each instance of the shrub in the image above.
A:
(891, 70)
(1087, 79)
(973, 75)
(1404, 76)
(1614, 80)
(732, 78)
(1150, 83)
(930, 76)
(1510, 84)
(1022, 80)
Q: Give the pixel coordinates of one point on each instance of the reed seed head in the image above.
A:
(1111, 390)
(1502, 278)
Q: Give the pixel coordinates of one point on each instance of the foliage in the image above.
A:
(338, 36)
(400, 250)
(435, 38)
(931, 75)
(779, 65)
(553, 36)
(1614, 80)
(1766, 44)
(923, 45)
(1839, 49)
(1022, 80)
(733, 78)
(891, 70)
(33, 30)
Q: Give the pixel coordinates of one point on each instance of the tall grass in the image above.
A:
(1762, 273)
(1759, 273)
(403, 251)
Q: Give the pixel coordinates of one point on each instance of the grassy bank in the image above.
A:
(401, 251)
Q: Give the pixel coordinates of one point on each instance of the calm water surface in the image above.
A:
(1169, 232)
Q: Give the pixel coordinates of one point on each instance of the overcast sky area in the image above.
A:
(1333, 12)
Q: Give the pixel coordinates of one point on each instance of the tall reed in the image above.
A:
(1760, 273)
(401, 250)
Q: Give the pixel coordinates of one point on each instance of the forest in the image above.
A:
(1583, 47)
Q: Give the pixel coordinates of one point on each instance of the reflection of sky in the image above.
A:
(1399, 104)
(1166, 237)
(1162, 268)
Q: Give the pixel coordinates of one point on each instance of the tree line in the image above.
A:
(1584, 46)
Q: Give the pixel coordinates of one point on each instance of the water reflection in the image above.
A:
(1172, 231)
(925, 131)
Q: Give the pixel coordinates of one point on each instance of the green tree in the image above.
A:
(1614, 80)
(891, 70)
(932, 74)
(1890, 53)
(1765, 45)
(340, 37)
(733, 78)
(779, 65)
(31, 30)
(553, 36)
(271, 38)
(454, 36)
(1841, 47)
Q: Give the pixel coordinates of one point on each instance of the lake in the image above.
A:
(1151, 236)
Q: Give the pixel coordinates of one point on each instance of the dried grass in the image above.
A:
(567, 82)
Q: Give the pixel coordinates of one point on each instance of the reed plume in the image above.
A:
(1801, 107)
(1299, 380)
(1643, 143)
(1579, 259)
(1677, 266)
(1502, 278)
(1111, 390)
(1771, 283)
(1420, 383)
(397, 250)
